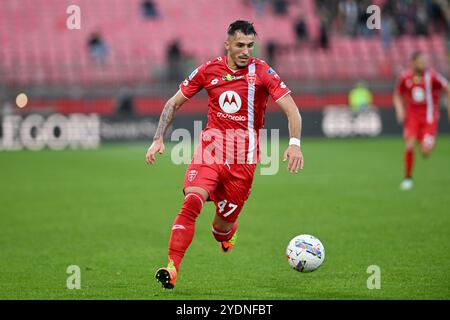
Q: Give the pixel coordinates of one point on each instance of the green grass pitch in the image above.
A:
(110, 214)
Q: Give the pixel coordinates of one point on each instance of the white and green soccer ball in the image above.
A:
(305, 253)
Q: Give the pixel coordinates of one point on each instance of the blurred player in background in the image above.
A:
(419, 90)
(238, 87)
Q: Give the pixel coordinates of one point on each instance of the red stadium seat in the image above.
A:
(37, 42)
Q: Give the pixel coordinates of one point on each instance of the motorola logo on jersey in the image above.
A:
(418, 94)
(230, 101)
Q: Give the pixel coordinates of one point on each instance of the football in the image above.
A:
(305, 253)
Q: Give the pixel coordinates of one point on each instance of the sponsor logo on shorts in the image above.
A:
(191, 175)
(178, 226)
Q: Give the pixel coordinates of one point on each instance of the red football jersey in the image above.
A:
(422, 93)
(237, 101)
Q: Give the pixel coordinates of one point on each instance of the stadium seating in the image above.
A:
(37, 48)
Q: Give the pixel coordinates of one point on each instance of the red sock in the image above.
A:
(222, 235)
(409, 163)
(183, 227)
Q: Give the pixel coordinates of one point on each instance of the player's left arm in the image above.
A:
(447, 89)
(293, 152)
(442, 83)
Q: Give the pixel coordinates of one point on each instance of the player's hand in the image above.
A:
(400, 116)
(156, 147)
(295, 156)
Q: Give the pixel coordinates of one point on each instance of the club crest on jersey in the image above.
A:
(191, 175)
(230, 101)
(251, 78)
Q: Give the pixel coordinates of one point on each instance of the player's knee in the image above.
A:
(192, 206)
(426, 152)
(427, 145)
(409, 144)
(204, 193)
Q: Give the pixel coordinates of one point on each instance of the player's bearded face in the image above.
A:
(239, 47)
(420, 63)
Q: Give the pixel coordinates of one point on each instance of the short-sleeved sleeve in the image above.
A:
(439, 82)
(194, 82)
(274, 85)
(400, 86)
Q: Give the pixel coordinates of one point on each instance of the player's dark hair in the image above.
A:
(243, 26)
(415, 55)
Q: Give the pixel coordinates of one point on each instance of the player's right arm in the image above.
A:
(441, 83)
(448, 102)
(397, 99)
(165, 120)
(188, 88)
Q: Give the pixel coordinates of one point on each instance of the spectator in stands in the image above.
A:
(439, 15)
(271, 51)
(301, 30)
(280, 7)
(149, 10)
(387, 30)
(350, 11)
(409, 17)
(125, 103)
(174, 61)
(404, 15)
(97, 47)
(360, 98)
(257, 5)
(363, 17)
(420, 21)
(323, 34)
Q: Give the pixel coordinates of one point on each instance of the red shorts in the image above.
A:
(228, 185)
(417, 127)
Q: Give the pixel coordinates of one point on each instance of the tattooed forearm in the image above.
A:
(166, 119)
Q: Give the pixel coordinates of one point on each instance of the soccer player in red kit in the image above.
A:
(419, 88)
(224, 162)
